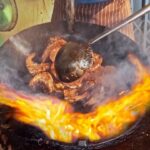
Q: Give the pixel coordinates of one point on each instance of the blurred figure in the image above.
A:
(100, 12)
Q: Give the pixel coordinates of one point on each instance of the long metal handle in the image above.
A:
(131, 18)
(70, 14)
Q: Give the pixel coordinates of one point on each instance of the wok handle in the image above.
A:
(128, 20)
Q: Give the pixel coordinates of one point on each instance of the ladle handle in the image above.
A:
(70, 14)
(131, 18)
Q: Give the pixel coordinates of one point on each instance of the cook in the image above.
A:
(101, 12)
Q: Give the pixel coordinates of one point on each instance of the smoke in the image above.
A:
(21, 45)
(117, 77)
(114, 83)
(111, 83)
(12, 63)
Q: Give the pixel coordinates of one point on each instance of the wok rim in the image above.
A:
(90, 145)
(98, 144)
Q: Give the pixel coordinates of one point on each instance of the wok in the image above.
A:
(114, 49)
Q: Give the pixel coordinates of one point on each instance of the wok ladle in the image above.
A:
(75, 57)
(128, 20)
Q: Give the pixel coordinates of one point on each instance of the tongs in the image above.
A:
(128, 20)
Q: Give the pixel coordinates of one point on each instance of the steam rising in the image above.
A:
(21, 45)
(114, 50)
(56, 118)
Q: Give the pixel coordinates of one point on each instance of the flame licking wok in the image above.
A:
(59, 121)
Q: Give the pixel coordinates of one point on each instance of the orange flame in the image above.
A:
(59, 122)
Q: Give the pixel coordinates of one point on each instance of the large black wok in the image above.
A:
(114, 50)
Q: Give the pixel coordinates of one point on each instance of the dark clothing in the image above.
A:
(89, 1)
(106, 13)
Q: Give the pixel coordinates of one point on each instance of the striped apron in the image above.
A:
(105, 14)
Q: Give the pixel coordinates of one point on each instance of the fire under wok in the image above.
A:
(117, 50)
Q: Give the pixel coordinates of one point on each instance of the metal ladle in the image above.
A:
(75, 58)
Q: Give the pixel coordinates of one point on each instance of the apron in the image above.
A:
(105, 13)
